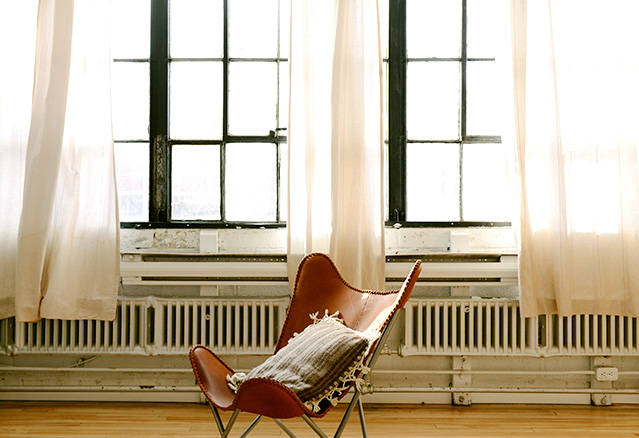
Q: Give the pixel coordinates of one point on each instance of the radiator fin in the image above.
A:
(226, 326)
(155, 326)
(124, 335)
(600, 335)
(468, 327)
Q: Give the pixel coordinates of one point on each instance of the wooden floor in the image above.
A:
(73, 419)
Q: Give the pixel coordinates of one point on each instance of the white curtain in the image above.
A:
(335, 202)
(575, 94)
(59, 225)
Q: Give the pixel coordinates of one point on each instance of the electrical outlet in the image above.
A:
(607, 374)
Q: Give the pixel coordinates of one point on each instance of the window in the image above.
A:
(446, 164)
(200, 113)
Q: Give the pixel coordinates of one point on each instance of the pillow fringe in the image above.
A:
(235, 380)
(356, 374)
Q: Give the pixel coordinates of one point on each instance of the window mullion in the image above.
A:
(462, 118)
(397, 111)
(225, 113)
(158, 117)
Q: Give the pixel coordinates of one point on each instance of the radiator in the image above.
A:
(154, 326)
(446, 326)
(126, 334)
(468, 327)
(591, 335)
(494, 327)
(226, 325)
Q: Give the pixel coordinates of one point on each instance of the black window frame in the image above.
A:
(160, 143)
(397, 137)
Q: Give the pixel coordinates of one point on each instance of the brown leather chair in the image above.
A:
(318, 287)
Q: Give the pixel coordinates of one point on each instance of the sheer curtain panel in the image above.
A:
(62, 191)
(17, 24)
(335, 137)
(575, 100)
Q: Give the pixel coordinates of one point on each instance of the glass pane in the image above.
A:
(433, 28)
(385, 97)
(432, 101)
(383, 26)
(251, 190)
(195, 182)
(196, 100)
(283, 181)
(130, 100)
(483, 26)
(386, 184)
(282, 108)
(252, 97)
(132, 176)
(285, 27)
(130, 29)
(432, 182)
(197, 28)
(483, 112)
(253, 28)
(486, 193)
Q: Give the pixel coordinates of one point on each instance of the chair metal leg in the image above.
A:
(314, 426)
(347, 414)
(230, 424)
(216, 415)
(362, 420)
(251, 426)
(282, 426)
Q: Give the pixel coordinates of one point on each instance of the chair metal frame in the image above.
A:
(202, 359)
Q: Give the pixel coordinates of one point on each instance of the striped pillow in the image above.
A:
(317, 364)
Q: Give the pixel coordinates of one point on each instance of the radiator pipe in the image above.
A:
(491, 372)
(412, 372)
(508, 390)
(100, 370)
(367, 390)
(141, 388)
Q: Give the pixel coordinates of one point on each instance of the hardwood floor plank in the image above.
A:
(91, 419)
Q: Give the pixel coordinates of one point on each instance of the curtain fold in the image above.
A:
(67, 261)
(16, 85)
(335, 139)
(575, 114)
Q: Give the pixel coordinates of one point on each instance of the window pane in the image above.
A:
(384, 26)
(483, 112)
(197, 28)
(196, 100)
(386, 99)
(132, 176)
(250, 177)
(253, 28)
(486, 193)
(432, 182)
(282, 107)
(433, 28)
(483, 26)
(195, 182)
(130, 100)
(252, 97)
(130, 29)
(285, 27)
(386, 184)
(432, 101)
(283, 181)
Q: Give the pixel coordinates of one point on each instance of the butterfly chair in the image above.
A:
(319, 289)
